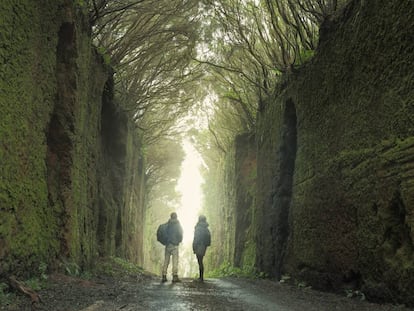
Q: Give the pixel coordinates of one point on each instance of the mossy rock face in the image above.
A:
(350, 216)
(65, 147)
(245, 184)
(229, 192)
(29, 228)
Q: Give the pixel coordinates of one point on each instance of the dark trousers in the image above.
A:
(200, 266)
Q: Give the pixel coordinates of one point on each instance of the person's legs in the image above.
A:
(174, 253)
(200, 266)
(166, 263)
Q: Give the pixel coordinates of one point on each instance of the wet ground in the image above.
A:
(145, 292)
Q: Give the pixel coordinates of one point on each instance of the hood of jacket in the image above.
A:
(202, 224)
(173, 221)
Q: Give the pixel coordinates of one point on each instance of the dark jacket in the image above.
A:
(202, 238)
(175, 232)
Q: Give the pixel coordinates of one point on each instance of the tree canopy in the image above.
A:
(247, 47)
(150, 44)
(170, 55)
(222, 59)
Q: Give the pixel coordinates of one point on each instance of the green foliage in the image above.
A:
(115, 266)
(42, 270)
(249, 253)
(5, 296)
(39, 280)
(164, 160)
(72, 269)
(226, 269)
(250, 44)
(111, 266)
(105, 55)
(80, 3)
(304, 56)
(127, 266)
(150, 44)
(34, 283)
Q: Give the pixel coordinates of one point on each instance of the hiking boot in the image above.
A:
(164, 279)
(175, 279)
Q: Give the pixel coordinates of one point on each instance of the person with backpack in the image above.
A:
(202, 239)
(172, 237)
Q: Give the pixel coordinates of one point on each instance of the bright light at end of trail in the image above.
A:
(189, 185)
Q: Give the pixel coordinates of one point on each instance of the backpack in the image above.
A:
(162, 234)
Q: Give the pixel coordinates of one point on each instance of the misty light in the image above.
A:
(189, 185)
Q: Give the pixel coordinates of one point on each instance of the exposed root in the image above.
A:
(20, 287)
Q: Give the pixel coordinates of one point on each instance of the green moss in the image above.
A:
(105, 56)
(249, 254)
(226, 269)
(49, 200)
(29, 228)
(304, 57)
(6, 297)
(115, 266)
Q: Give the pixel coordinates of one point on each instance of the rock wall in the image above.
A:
(276, 154)
(245, 188)
(219, 204)
(335, 193)
(229, 192)
(71, 174)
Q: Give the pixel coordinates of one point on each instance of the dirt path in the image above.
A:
(147, 293)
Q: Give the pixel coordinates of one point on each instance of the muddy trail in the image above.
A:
(146, 292)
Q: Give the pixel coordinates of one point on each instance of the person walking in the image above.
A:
(174, 238)
(202, 239)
